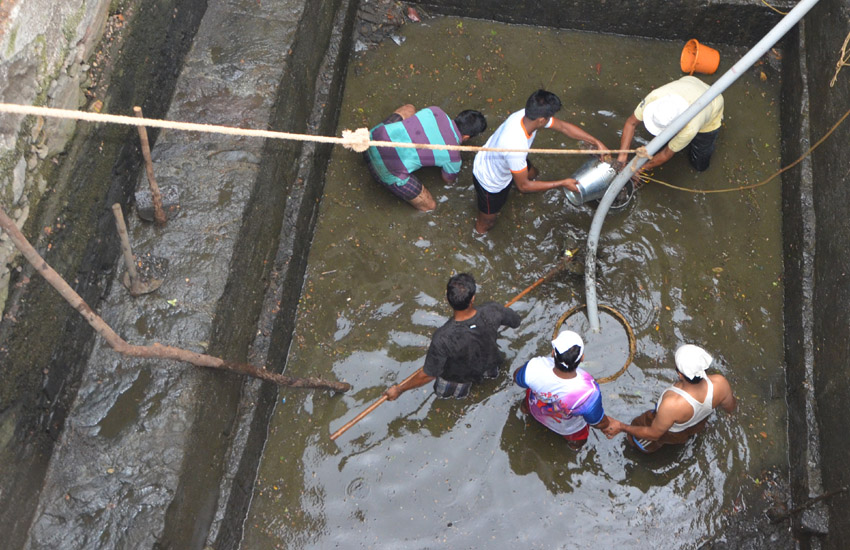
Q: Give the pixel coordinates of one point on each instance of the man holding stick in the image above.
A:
(463, 351)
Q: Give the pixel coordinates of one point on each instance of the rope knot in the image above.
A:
(641, 152)
(356, 140)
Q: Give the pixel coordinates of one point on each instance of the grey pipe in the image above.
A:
(730, 76)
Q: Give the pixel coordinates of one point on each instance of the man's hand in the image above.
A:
(614, 427)
(393, 392)
(570, 184)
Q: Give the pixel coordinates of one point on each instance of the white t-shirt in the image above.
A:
(495, 171)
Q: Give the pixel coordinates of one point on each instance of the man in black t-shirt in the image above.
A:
(463, 351)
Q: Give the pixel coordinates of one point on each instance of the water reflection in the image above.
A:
(680, 267)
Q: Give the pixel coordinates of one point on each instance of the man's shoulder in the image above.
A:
(672, 400)
(432, 111)
(511, 129)
(720, 382)
(538, 369)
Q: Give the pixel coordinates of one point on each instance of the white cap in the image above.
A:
(661, 112)
(692, 361)
(567, 339)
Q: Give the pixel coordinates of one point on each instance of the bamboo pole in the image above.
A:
(569, 255)
(156, 350)
(158, 212)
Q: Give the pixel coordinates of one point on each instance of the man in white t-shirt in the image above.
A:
(493, 172)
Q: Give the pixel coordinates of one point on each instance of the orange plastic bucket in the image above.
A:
(699, 58)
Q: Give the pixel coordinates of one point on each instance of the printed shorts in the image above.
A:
(406, 192)
(444, 388)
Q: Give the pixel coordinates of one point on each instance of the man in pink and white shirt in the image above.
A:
(560, 395)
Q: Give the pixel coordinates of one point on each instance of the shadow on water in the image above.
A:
(419, 472)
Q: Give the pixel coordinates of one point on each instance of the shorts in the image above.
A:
(490, 203)
(701, 148)
(406, 192)
(670, 438)
(580, 435)
(445, 388)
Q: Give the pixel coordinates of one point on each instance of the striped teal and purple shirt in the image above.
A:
(430, 125)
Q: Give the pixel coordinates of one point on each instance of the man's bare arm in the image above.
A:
(525, 185)
(575, 132)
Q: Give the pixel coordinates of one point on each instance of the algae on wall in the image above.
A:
(44, 45)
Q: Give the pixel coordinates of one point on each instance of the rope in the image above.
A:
(759, 184)
(843, 61)
(773, 8)
(357, 140)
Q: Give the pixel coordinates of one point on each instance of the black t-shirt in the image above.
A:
(463, 351)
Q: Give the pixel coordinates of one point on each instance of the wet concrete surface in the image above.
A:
(422, 472)
(168, 424)
(43, 343)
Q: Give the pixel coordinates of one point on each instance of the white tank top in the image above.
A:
(701, 410)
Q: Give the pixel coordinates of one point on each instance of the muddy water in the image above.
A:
(421, 472)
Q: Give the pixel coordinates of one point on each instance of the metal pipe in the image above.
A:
(729, 77)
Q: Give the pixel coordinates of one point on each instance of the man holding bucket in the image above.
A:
(493, 172)
(665, 104)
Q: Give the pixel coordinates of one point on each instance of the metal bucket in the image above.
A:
(593, 179)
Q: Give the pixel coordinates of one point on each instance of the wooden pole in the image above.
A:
(569, 255)
(156, 350)
(159, 213)
(126, 250)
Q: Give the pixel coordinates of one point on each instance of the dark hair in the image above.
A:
(470, 122)
(694, 380)
(569, 360)
(460, 290)
(542, 104)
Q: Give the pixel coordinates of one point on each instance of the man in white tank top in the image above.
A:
(683, 409)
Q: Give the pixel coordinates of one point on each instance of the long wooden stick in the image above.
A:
(156, 350)
(568, 257)
(158, 212)
(126, 250)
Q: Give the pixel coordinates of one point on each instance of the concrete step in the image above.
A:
(146, 442)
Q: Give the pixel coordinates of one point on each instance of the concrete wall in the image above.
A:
(725, 21)
(44, 47)
(43, 343)
(817, 256)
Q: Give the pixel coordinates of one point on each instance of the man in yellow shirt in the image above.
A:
(661, 107)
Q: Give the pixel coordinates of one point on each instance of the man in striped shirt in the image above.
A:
(394, 166)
